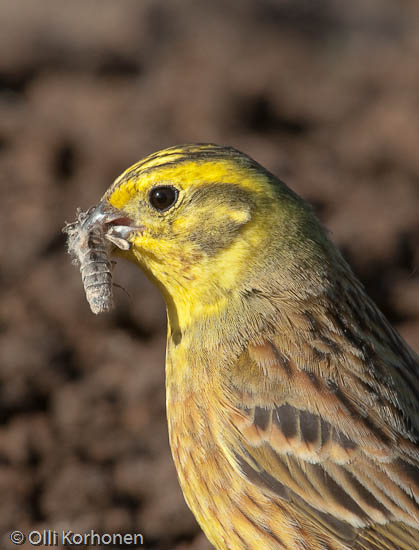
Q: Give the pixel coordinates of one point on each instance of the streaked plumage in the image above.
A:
(292, 403)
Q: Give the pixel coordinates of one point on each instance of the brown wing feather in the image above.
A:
(333, 427)
(344, 490)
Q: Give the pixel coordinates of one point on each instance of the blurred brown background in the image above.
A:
(324, 94)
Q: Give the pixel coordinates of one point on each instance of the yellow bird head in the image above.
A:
(211, 223)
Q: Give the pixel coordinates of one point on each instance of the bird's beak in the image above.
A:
(115, 224)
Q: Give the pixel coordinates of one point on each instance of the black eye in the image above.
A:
(163, 197)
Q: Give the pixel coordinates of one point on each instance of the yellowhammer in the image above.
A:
(292, 403)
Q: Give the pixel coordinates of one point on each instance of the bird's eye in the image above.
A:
(163, 197)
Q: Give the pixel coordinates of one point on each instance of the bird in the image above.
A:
(292, 403)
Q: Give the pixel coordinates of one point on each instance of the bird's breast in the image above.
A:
(202, 469)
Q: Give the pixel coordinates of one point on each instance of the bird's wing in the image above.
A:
(335, 447)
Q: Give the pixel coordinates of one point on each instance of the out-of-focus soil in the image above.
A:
(325, 95)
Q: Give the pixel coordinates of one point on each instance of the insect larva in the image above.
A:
(91, 239)
(91, 250)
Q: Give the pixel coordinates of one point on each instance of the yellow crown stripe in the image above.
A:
(197, 165)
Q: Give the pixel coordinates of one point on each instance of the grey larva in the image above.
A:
(90, 243)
